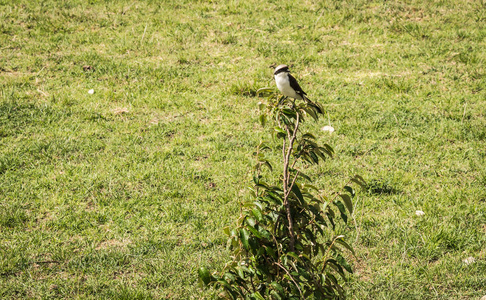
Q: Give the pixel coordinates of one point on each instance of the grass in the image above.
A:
(124, 193)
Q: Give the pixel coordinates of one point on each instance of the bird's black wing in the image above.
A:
(295, 85)
(298, 90)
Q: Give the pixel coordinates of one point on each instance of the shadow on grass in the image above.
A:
(381, 187)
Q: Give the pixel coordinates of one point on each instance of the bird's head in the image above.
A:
(280, 69)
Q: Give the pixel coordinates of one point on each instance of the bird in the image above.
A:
(289, 87)
(287, 84)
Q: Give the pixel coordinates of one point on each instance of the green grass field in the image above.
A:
(124, 193)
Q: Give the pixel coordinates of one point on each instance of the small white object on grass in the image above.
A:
(419, 213)
(469, 260)
(328, 128)
(91, 92)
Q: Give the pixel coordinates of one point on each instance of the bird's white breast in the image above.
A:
(283, 84)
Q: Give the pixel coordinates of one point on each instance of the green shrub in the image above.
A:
(285, 244)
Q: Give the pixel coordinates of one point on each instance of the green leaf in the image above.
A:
(289, 112)
(240, 272)
(259, 204)
(263, 146)
(310, 236)
(359, 181)
(257, 214)
(244, 236)
(273, 197)
(204, 275)
(267, 163)
(297, 192)
(346, 245)
(229, 290)
(292, 254)
(320, 153)
(312, 113)
(275, 295)
(261, 184)
(278, 287)
(350, 190)
(258, 296)
(307, 186)
(324, 205)
(280, 130)
(330, 215)
(308, 136)
(271, 252)
(342, 210)
(265, 90)
(336, 265)
(229, 277)
(272, 200)
(265, 233)
(323, 279)
(347, 202)
(250, 221)
(263, 120)
(342, 261)
(254, 231)
(226, 230)
(329, 149)
(305, 176)
(314, 157)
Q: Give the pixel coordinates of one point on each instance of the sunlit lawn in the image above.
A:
(124, 193)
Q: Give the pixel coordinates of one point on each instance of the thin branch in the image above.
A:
(252, 285)
(336, 194)
(291, 141)
(293, 164)
(292, 184)
(327, 252)
(288, 132)
(292, 278)
(278, 249)
(244, 286)
(258, 169)
(276, 244)
(276, 225)
(286, 179)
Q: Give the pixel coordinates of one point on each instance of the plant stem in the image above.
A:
(293, 182)
(286, 178)
(291, 278)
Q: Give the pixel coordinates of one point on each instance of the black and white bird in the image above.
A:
(289, 87)
(287, 84)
